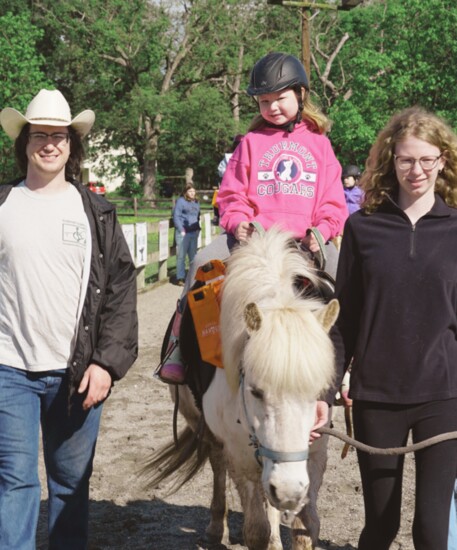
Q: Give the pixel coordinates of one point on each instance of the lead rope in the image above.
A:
(393, 451)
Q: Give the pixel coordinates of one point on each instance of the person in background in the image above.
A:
(284, 173)
(68, 323)
(397, 288)
(186, 218)
(222, 167)
(352, 192)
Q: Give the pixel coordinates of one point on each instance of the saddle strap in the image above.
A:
(258, 227)
(320, 256)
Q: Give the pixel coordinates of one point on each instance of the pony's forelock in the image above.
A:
(291, 351)
(302, 360)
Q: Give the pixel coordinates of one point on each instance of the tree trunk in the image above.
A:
(149, 179)
(150, 157)
(235, 100)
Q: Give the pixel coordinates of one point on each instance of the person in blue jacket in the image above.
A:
(397, 288)
(186, 218)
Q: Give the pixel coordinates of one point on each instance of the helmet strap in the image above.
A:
(288, 126)
(291, 125)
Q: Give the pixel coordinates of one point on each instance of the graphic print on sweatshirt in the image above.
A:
(287, 168)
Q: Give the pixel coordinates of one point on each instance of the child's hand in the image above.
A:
(311, 243)
(243, 231)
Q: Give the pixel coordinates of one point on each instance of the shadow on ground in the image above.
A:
(157, 525)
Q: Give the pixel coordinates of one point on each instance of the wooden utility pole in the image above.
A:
(306, 8)
(305, 41)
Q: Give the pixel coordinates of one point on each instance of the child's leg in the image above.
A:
(173, 370)
(331, 256)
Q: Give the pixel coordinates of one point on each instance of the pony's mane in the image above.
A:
(291, 351)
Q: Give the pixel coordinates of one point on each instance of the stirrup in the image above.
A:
(164, 362)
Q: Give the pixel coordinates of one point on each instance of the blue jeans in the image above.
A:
(187, 246)
(69, 438)
(452, 538)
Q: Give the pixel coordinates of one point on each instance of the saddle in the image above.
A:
(199, 334)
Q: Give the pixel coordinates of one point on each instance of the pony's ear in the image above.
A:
(328, 314)
(252, 317)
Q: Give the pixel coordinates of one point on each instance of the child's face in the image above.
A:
(349, 181)
(278, 108)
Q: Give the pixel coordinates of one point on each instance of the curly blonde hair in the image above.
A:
(311, 113)
(379, 179)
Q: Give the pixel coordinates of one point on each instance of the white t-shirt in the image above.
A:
(44, 243)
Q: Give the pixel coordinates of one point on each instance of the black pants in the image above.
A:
(383, 425)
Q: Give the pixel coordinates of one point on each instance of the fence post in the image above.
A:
(140, 277)
(164, 228)
(163, 270)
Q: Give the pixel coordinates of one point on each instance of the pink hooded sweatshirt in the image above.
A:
(292, 180)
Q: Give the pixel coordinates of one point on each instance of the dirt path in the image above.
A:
(137, 419)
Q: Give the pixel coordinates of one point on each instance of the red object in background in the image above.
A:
(98, 188)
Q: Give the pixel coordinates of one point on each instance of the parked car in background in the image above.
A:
(96, 187)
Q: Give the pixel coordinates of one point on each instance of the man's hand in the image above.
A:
(97, 382)
(243, 231)
(321, 419)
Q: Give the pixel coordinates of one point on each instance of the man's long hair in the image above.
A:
(73, 166)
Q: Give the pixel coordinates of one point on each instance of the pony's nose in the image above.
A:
(287, 496)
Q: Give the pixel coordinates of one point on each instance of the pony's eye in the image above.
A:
(258, 394)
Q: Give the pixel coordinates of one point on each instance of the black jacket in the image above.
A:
(108, 327)
(397, 287)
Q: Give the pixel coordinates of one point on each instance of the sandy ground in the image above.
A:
(137, 419)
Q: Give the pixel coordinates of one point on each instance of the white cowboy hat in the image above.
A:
(48, 107)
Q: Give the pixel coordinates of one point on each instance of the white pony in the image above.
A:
(278, 359)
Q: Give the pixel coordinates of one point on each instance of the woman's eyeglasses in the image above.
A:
(426, 163)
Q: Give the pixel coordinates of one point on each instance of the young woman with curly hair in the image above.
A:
(397, 288)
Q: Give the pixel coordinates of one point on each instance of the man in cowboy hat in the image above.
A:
(68, 323)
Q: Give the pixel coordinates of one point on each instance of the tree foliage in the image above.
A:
(167, 78)
(397, 56)
(20, 67)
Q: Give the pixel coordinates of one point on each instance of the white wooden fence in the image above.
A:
(159, 249)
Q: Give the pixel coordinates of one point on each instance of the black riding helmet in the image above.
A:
(351, 170)
(275, 72)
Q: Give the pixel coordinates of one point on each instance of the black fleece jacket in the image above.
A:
(397, 288)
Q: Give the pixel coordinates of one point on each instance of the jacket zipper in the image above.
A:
(412, 247)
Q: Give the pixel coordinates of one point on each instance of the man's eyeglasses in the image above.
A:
(426, 163)
(41, 138)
